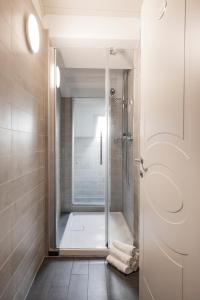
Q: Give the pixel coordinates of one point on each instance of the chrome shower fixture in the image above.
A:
(113, 51)
(112, 94)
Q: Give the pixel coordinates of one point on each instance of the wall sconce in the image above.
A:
(33, 34)
(57, 77)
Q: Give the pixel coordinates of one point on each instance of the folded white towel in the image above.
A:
(135, 266)
(121, 256)
(128, 249)
(136, 256)
(119, 265)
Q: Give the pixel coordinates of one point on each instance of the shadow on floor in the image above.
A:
(82, 279)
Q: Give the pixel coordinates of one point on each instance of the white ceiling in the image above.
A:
(94, 58)
(108, 8)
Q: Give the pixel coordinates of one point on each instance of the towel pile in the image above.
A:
(124, 257)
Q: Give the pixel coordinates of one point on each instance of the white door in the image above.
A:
(170, 148)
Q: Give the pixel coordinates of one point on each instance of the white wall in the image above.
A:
(92, 31)
(95, 58)
(111, 8)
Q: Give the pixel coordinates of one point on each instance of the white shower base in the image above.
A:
(87, 230)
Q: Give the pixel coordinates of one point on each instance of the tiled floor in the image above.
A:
(87, 230)
(82, 279)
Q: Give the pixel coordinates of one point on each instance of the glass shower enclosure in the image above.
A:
(90, 155)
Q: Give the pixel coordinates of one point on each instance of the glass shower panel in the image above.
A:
(127, 149)
(120, 210)
(88, 151)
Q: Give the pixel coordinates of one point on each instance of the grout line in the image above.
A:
(107, 281)
(34, 274)
(70, 278)
(26, 152)
(34, 277)
(22, 175)
(22, 257)
(24, 237)
(88, 277)
(21, 220)
(20, 199)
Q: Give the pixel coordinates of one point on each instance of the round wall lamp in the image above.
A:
(57, 77)
(33, 34)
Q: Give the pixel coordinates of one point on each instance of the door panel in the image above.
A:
(165, 60)
(169, 194)
(168, 263)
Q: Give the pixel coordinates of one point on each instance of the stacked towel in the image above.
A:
(121, 256)
(128, 249)
(124, 257)
(119, 265)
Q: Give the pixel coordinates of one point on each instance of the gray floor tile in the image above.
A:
(121, 286)
(96, 261)
(82, 279)
(97, 288)
(57, 293)
(78, 287)
(80, 267)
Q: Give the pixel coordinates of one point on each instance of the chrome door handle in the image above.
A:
(141, 161)
(137, 160)
(143, 167)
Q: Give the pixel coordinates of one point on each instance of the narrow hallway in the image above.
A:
(99, 149)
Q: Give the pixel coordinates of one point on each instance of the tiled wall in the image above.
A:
(128, 167)
(23, 89)
(136, 150)
(88, 169)
(116, 144)
(116, 155)
(66, 154)
(89, 174)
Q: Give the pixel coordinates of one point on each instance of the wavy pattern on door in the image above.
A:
(171, 201)
(167, 263)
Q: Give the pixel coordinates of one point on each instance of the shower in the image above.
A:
(93, 153)
(112, 94)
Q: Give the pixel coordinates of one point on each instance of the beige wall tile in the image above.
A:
(21, 120)
(5, 141)
(5, 33)
(6, 10)
(5, 115)
(13, 190)
(23, 103)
